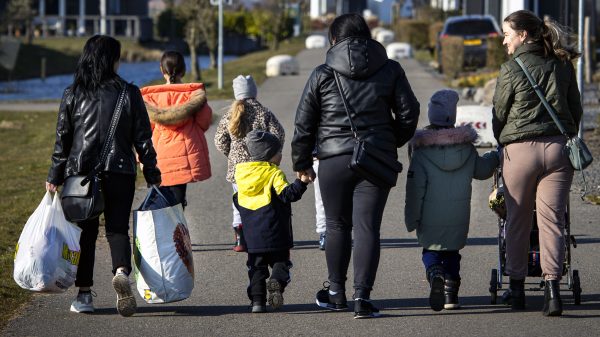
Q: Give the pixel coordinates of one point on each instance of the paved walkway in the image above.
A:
(219, 307)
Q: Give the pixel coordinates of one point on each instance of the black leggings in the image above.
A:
(258, 272)
(118, 197)
(352, 204)
(179, 192)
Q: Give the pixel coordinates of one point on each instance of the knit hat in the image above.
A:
(244, 87)
(442, 108)
(262, 145)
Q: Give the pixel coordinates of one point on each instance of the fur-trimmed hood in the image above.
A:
(176, 114)
(460, 135)
(448, 149)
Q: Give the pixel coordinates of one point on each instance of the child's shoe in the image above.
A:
(83, 303)
(258, 307)
(435, 276)
(364, 309)
(275, 290)
(126, 305)
(451, 288)
(332, 301)
(239, 245)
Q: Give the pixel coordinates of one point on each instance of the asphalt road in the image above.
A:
(219, 306)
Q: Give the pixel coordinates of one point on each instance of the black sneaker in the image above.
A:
(275, 297)
(435, 276)
(335, 302)
(364, 309)
(436, 295)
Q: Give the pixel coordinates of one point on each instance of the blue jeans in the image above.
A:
(448, 259)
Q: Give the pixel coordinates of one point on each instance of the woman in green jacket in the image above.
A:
(536, 168)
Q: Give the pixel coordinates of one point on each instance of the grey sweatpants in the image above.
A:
(537, 175)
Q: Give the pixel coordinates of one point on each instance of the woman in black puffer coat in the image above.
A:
(385, 112)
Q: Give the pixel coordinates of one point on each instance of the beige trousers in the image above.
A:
(537, 175)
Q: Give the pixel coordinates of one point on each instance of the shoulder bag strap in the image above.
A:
(539, 92)
(542, 97)
(337, 82)
(111, 134)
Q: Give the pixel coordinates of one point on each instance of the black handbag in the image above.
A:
(367, 160)
(82, 197)
(579, 154)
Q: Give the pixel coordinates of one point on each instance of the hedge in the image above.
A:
(452, 56)
(415, 32)
(496, 53)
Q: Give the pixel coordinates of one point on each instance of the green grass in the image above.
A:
(24, 162)
(253, 64)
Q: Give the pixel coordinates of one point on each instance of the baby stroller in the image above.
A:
(533, 267)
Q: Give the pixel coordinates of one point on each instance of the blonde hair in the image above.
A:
(237, 123)
(553, 36)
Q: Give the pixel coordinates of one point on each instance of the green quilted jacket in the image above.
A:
(438, 185)
(519, 113)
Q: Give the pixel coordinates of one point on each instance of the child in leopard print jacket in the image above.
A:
(246, 114)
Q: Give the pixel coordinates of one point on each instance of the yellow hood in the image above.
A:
(255, 180)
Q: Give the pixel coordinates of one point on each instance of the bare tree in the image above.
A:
(208, 24)
(275, 20)
(20, 12)
(200, 27)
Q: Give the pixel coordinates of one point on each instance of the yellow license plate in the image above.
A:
(474, 42)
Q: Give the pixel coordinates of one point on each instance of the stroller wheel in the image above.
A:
(576, 287)
(494, 286)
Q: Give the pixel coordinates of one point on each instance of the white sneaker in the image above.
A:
(83, 303)
(126, 305)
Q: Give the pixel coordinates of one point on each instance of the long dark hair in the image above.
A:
(172, 64)
(348, 25)
(553, 36)
(96, 64)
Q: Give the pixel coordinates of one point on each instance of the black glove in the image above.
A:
(152, 175)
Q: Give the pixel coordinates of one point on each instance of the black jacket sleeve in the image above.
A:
(406, 110)
(64, 139)
(308, 115)
(292, 192)
(142, 136)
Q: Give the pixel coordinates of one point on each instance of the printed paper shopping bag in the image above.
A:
(163, 262)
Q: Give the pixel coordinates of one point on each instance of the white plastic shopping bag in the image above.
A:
(163, 262)
(48, 250)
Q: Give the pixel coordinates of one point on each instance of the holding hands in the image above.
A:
(307, 176)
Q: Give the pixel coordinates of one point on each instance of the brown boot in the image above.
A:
(240, 244)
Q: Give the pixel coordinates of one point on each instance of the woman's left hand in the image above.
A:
(51, 187)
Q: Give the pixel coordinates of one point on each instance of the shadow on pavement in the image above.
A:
(385, 244)
(406, 307)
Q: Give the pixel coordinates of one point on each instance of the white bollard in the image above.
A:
(385, 37)
(480, 118)
(316, 41)
(399, 50)
(282, 65)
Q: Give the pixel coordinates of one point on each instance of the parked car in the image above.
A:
(474, 29)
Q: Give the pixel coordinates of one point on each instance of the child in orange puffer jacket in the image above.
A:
(179, 116)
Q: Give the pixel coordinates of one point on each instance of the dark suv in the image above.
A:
(474, 29)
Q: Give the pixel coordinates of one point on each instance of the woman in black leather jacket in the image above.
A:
(83, 121)
(385, 112)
